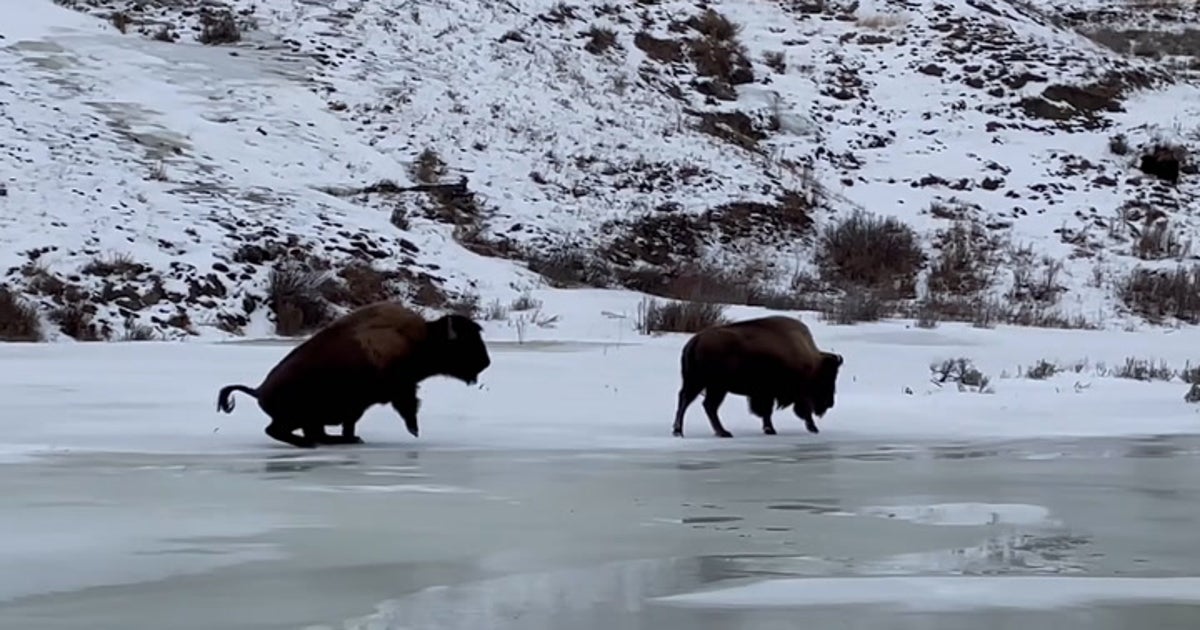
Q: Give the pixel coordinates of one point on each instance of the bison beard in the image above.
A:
(772, 361)
(377, 354)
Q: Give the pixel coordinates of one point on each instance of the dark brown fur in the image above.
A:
(772, 361)
(377, 354)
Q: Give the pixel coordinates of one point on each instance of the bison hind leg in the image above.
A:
(687, 394)
(285, 433)
(762, 406)
(713, 397)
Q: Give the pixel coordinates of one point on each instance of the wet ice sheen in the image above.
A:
(599, 540)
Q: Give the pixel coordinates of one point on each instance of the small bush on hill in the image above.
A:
(963, 265)
(296, 294)
(75, 321)
(600, 39)
(671, 316)
(1157, 294)
(1157, 240)
(218, 26)
(19, 319)
(717, 53)
(872, 252)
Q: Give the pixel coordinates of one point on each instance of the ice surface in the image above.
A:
(550, 539)
(939, 593)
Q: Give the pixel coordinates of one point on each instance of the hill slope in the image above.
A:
(152, 180)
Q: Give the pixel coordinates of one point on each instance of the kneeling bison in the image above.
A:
(772, 361)
(376, 354)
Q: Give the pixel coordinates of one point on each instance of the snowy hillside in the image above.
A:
(256, 183)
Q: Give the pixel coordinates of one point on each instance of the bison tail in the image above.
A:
(225, 399)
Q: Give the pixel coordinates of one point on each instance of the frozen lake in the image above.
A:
(396, 537)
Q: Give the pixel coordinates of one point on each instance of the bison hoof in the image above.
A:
(812, 428)
(769, 430)
(677, 433)
(724, 434)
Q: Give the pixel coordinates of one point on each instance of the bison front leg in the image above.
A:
(803, 410)
(762, 406)
(406, 404)
(713, 398)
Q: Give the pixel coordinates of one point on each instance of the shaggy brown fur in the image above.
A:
(772, 361)
(377, 354)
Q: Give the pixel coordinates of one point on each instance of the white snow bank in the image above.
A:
(960, 514)
(593, 383)
(942, 593)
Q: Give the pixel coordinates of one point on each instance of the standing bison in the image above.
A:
(772, 361)
(377, 354)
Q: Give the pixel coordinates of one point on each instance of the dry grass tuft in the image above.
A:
(683, 317)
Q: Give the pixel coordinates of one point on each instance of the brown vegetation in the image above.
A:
(1158, 294)
(864, 251)
(682, 317)
(19, 320)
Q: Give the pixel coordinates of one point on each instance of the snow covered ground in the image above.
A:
(195, 165)
(589, 380)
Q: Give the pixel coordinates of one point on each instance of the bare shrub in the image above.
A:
(1143, 370)
(218, 26)
(1035, 281)
(1119, 144)
(927, 315)
(428, 167)
(524, 302)
(75, 320)
(775, 60)
(855, 307)
(1193, 394)
(361, 284)
(683, 317)
(600, 39)
(869, 251)
(465, 304)
(882, 21)
(120, 20)
(296, 295)
(138, 332)
(964, 263)
(962, 372)
(117, 264)
(19, 320)
(567, 265)
(1157, 294)
(495, 310)
(1157, 240)
(717, 53)
(1041, 370)
(1190, 373)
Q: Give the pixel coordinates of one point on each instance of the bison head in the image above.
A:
(457, 347)
(822, 393)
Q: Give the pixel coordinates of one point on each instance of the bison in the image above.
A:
(772, 361)
(377, 354)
